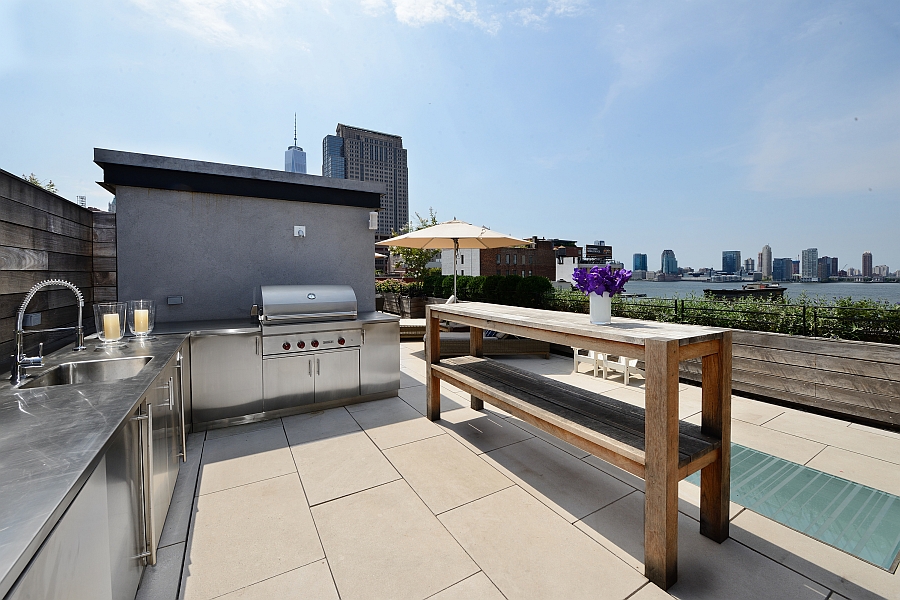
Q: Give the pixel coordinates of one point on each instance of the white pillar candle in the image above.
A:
(111, 329)
(141, 320)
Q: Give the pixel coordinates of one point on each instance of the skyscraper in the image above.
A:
(867, 264)
(639, 262)
(809, 264)
(749, 265)
(294, 156)
(669, 263)
(367, 155)
(782, 269)
(765, 262)
(731, 261)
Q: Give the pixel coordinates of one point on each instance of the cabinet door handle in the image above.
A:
(146, 455)
(257, 345)
(317, 367)
(180, 367)
(310, 367)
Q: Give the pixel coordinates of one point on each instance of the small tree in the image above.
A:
(415, 259)
(49, 186)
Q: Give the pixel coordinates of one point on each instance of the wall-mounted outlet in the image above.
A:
(31, 319)
(373, 220)
(175, 300)
(299, 230)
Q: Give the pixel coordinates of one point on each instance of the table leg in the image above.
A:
(661, 463)
(432, 355)
(476, 348)
(715, 479)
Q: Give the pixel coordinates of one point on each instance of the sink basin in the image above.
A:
(89, 371)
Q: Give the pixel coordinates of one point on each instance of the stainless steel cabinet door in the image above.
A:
(337, 375)
(124, 495)
(226, 376)
(379, 358)
(288, 381)
(163, 437)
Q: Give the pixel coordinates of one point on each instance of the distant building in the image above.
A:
(639, 262)
(823, 268)
(731, 261)
(749, 265)
(599, 252)
(669, 263)
(881, 270)
(638, 274)
(537, 259)
(365, 155)
(294, 156)
(782, 269)
(809, 264)
(867, 264)
(795, 267)
(765, 262)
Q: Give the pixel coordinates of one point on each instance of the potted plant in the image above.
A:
(601, 284)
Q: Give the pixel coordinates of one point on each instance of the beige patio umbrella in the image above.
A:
(453, 234)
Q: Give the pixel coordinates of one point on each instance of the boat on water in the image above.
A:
(771, 291)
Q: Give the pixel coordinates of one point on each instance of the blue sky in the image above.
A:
(697, 126)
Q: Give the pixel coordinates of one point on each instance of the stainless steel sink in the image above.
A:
(89, 371)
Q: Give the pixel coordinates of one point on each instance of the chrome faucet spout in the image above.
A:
(20, 361)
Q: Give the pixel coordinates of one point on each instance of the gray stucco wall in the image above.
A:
(215, 250)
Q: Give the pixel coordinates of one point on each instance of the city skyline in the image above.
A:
(716, 117)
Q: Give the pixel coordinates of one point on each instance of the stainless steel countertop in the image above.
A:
(51, 439)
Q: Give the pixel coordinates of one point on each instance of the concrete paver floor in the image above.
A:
(377, 502)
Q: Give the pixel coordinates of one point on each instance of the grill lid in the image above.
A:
(296, 303)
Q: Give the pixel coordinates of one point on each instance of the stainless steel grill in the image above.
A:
(310, 344)
(304, 303)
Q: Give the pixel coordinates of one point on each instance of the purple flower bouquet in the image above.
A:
(601, 279)
(601, 284)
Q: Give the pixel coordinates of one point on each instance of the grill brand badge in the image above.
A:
(311, 296)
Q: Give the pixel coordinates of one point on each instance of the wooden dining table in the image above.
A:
(657, 458)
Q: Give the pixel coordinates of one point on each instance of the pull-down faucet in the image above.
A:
(20, 361)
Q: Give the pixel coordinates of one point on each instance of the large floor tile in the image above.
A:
(161, 581)
(650, 592)
(476, 587)
(705, 569)
(777, 443)
(620, 474)
(550, 438)
(241, 536)
(393, 422)
(444, 473)
(528, 551)
(214, 434)
(566, 484)
(341, 465)
(385, 543)
(837, 433)
(823, 564)
(241, 459)
(753, 411)
(480, 431)
(688, 403)
(318, 425)
(410, 380)
(415, 397)
(312, 582)
(872, 472)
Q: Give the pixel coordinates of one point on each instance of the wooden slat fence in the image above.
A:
(858, 380)
(44, 236)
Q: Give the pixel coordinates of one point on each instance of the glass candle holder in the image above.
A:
(141, 318)
(109, 317)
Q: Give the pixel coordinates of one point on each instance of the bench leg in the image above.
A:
(432, 355)
(476, 348)
(715, 479)
(661, 463)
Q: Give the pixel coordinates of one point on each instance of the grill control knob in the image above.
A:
(315, 343)
(301, 345)
(286, 345)
(341, 341)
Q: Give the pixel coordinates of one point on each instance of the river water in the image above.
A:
(858, 291)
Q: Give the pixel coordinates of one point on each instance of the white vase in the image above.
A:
(601, 308)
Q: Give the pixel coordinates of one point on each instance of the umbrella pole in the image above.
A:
(455, 253)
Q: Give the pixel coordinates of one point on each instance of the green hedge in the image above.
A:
(496, 289)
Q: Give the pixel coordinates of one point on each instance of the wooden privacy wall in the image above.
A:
(44, 236)
(859, 380)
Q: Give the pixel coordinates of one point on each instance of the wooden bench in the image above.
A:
(651, 443)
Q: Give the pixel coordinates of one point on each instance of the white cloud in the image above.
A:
(220, 22)
(530, 15)
(422, 12)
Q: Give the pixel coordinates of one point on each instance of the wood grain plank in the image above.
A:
(661, 463)
(35, 239)
(15, 282)
(476, 349)
(432, 358)
(22, 259)
(104, 279)
(105, 294)
(715, 479)
(102, 263)
(870, 351)
(104, 249)
(14, 188)
(69, 262)
(20, 214)
(103, 235)
(104, 220)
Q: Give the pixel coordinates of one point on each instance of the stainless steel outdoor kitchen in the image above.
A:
(253, 322)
